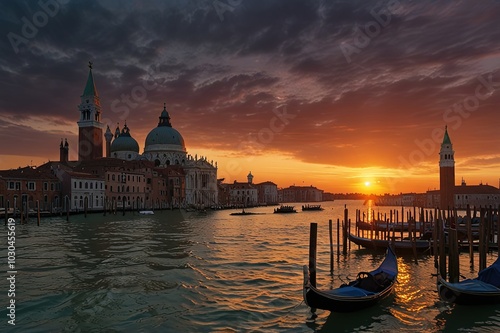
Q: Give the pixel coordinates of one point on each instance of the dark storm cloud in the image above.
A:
(228, 72)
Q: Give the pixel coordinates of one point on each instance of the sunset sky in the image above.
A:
(347, 96)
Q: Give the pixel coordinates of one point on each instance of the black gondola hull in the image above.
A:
(368, 289)
(318, 300)
(449, 294)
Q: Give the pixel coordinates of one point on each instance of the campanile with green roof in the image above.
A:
(90, 128)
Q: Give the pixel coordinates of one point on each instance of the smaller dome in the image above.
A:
(124, 142)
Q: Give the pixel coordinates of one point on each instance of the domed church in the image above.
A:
(164, 146)
(124, 145)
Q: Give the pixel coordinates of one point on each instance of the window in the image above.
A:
(52, 186)
(86, 185)
(80, 184)
(45, 186)
(113, 177)
(31, 186)
(11, 185)
(18, 185)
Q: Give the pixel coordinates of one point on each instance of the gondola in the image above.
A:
(312, 207)
(485, 289)
(243, 212)
(366, 290)
(420, 245)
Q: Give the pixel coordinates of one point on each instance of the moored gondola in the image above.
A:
(366, 290)
(485, 289)
(420, 245)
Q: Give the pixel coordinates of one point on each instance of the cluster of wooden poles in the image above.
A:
(446, 242)
(24, 216)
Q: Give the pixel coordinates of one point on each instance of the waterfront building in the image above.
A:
(476, 195)
(243, 194)
(301, 194)
(82, 191)
(267, 193)
(23, 187)
(127, 189)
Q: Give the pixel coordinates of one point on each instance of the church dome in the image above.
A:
(164, 136)
(124, 142)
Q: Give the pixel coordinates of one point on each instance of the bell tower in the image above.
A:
(90, 136)
(447, 173)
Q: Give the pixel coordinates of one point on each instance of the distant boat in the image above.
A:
(243, 212)
(285, 209)
(406, 244)
(312, 207)
(146, 212)
(365, 291)
(481, 290)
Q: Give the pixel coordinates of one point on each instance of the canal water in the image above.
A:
(211, 272)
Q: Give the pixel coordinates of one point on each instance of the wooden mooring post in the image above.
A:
(313, 242)
(498, 228)
(483, 240)
(453, 256)
(338, 239)
(330, 225)
(468, 222)
(38, 212)
(442, 251)
(345, 228)
(67, 208)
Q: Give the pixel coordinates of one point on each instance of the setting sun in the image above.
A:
(367, 184)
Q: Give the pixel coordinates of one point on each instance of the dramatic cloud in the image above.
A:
(340, 84)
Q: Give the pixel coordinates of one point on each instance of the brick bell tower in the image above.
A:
(447, 173)
(90, 137)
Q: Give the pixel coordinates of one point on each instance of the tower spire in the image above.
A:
(90, 89)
